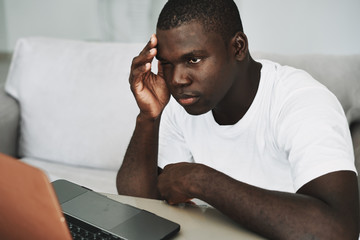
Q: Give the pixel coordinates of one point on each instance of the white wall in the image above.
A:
(302, 26)
(3, 39)
(128, 20)
(54, 18)
(283, 26)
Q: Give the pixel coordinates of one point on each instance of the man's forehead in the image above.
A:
(186, 31)
(185, 39)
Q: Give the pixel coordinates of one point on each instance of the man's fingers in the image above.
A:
(142, 63)
(151, 44)
(148, 53)
(142, 69)
(143, 58)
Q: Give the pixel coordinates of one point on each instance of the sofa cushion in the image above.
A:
(75, 100)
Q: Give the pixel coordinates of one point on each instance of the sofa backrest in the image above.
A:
(75, 101)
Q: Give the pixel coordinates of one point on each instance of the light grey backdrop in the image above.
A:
(283, 26)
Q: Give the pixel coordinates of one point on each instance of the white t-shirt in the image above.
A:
(294, 131)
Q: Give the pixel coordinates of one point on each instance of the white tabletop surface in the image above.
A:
(196, 222)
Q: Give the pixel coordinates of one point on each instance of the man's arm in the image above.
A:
(325, 208)
(138, 173)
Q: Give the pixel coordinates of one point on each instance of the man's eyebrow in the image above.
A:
(191, 54)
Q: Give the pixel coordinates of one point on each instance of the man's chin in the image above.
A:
(195, 111)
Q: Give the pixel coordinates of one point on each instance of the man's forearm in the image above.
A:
(278, 215)
(138, 173)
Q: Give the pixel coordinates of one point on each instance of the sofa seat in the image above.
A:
(99, 180)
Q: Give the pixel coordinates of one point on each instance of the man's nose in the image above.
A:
(180, 77)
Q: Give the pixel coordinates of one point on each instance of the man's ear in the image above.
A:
(240, 46)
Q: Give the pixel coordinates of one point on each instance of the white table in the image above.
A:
(197, 222)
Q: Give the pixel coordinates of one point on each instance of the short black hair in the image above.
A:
(219, 16)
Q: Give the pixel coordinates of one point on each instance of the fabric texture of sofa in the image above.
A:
(67, 108)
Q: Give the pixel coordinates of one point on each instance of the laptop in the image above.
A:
(33, 208)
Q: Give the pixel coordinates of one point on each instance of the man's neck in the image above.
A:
(235, 105)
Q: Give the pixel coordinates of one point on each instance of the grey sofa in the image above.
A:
(82, 145)
(9, 123)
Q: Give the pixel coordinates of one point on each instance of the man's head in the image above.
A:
(219, 16)
(203, 54)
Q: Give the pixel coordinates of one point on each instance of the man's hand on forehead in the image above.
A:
(149, 89)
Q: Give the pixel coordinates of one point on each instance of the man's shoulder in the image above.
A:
(285, 82)
(290, 89)
(288, 77)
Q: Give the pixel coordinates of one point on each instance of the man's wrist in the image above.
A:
(202, 177)
(145, 118)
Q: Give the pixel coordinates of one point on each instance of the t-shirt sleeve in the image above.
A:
(172, 144)
(313, 132)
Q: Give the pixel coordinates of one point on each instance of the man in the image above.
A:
(265, 144)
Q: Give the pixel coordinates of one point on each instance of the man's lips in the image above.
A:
(187, 100)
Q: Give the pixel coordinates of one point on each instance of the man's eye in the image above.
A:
(194, 60)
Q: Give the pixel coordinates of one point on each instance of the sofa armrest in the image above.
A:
(9, 123)
(355, 134)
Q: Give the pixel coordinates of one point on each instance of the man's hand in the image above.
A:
(149, 89)
(177, 180)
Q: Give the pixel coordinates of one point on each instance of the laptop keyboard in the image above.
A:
(82, 231)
